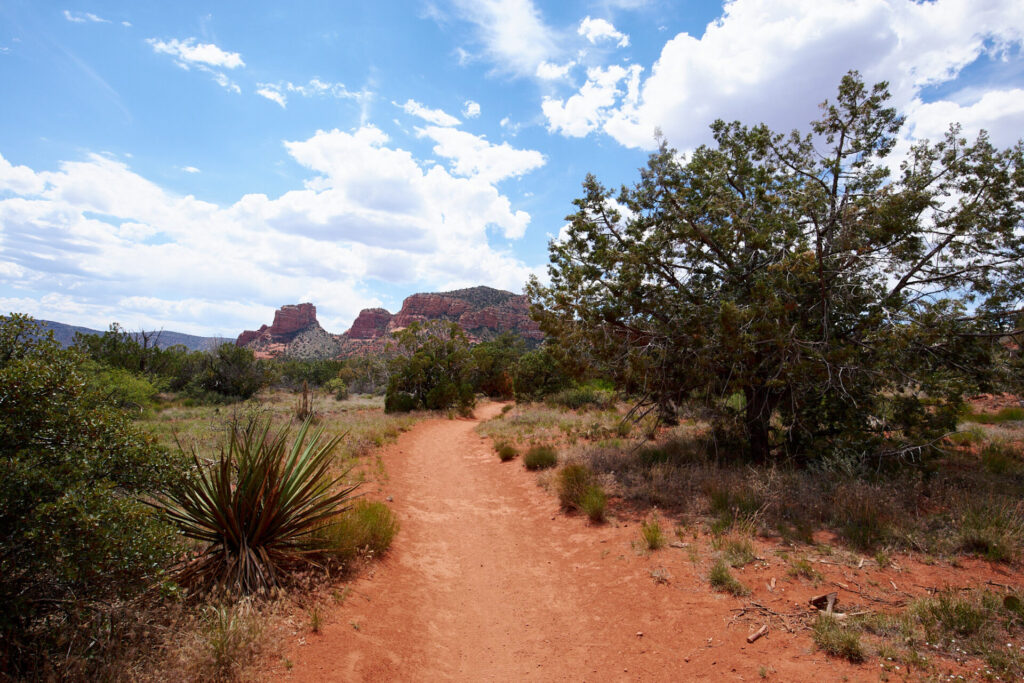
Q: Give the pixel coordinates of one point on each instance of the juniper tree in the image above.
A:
(849, 294)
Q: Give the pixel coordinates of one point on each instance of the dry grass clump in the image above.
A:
(652, 535)
(837, 640)
(721, 579)
(540, 457)
(364, 530)
(578, 490)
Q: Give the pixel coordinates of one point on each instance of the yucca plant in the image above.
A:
(256, 507)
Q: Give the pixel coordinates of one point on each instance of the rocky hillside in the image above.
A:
(482, 312)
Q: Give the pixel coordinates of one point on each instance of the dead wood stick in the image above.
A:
(757, 634)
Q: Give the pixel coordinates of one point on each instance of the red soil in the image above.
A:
(488, 580)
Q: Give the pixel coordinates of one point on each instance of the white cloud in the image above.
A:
(272, 93)
(774, 62)
(551, 72)
(190, 51)
(512, 32)
(94, 242)
(190, 169)
(83, 17)
(471, 109)
(473, 156)
(1001, 112)
(436, 116)
(585, 111)
(600, 29)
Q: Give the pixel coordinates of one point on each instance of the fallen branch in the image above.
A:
(757, 634)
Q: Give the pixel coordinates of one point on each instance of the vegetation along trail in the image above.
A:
(488, 581)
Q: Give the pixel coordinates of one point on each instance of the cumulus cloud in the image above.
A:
(546, 71)
(588, 109)
(190, 51)
(774, 62)
(94, 241)
(595, 30)
(471, 109)
(438, 117)
(512, 32)
(474, 156)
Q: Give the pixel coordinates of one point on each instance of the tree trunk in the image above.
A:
(760, 405)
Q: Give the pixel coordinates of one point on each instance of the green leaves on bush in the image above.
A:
(540, 458)
(257, 506)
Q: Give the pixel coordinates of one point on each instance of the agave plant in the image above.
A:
(257, 506)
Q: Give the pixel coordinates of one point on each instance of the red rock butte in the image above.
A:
(289, 320)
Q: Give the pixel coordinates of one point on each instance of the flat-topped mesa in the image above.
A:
(289, 321)
(371, 323)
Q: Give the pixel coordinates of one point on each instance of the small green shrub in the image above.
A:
(992, 531)
(506, 452)
(583, 397)
(540, 458)
(739, 552)
(802, 568)
(573, 482)
(653, 536)
(367, 528)
(593, 503)
(837, 641)
(400, 402)
(721, 579)
(337, 388)
(1000, 457)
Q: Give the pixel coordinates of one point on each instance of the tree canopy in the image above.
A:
(821, 292)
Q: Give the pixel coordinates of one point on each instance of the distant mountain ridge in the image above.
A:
(65, 335)
(482, 312)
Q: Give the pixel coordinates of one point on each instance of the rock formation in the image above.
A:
(482, 312)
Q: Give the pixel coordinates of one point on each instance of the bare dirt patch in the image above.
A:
(488, 580)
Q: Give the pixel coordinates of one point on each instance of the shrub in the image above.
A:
(367, 528)
(584, 397)
(256, 507)
(722, 579)
(836, 640)
(739, 552)
(337, 388)
(593, 503)
(304, 408)
(74, 538)
(992, 531)
(506, 452)
(1000, 458)
(433, 364)
(230, 371)
(540, 458)
(400, 402)
(573, 482)
(654, 537)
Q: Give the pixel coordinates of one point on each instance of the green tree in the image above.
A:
(431, 368)
(495, 363)
(231, 371)
(815, 300)
(74, 536)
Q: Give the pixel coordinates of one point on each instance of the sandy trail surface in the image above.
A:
(487, 580)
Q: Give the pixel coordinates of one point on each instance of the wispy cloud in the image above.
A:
(278, 92)
(190, 51)
(438, 117)
(84, 17)
(512, 32)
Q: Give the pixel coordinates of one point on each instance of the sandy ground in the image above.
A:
(488, 580)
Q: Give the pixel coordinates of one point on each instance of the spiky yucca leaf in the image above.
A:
(257, 506)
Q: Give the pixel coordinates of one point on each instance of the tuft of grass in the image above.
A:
(316, 619)
(1008, 414)
(366, 529)
(506, 452)
(653, 536)
(836, 640)
(304, 408)
(995, 532)
(721, 579)
(739, 552)
(593, 503)
(573, 481)
(540, 458)
(1000, 457)
(230, 637)
(802, 568)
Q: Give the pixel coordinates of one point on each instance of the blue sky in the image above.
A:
(194, 165)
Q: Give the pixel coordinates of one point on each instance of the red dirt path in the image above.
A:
(487, 580)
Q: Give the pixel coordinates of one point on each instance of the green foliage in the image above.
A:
(119, 387)
(230, 371)
(256, 507)
(495, 363)
(506, 451)
(432, 365)
(593, 502)
(400, 402)
(73, 534)
(540, 458)
(337, 388)
(367, 529)
(573, 482)
(585, 396)
(996, 532)
(721, 579)
(795, 273)
(653, 536)
(538, 374)
(1008, 414)
(837, 640)
(292, 372)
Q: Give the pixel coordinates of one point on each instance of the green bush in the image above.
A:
(540, 458)
(722, 579)
(337, 388)
(836, 640)
(593, 503)
(74, 536)
(653, 536)
(538, 374)
(119, 387)
(506, 452)
(400, 402)
(230, 371)
(367, 528)
(573, 482)
(432, 363)
(584, 397)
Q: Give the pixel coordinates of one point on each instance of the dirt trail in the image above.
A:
(487, 580)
